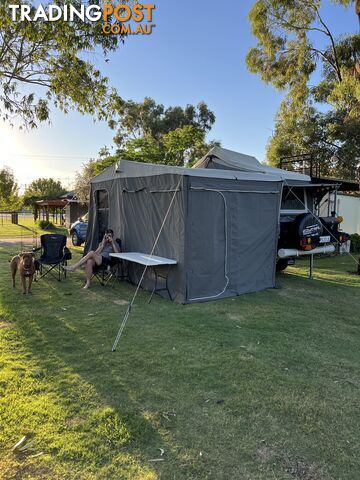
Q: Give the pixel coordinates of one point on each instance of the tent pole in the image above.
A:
(128, 311)
(311, 267)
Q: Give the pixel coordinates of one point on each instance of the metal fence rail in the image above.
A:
(23, 235)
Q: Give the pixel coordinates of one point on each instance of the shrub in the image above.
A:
(355, 243)
(45, 225)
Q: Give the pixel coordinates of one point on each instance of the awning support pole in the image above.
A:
(311, 267)
(128, 311)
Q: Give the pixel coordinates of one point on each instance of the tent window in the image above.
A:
(293, 199)
(102, 204)
(103, 199)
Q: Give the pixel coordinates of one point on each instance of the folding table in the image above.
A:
(151, 261)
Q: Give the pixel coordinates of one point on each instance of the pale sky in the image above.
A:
(197, 52)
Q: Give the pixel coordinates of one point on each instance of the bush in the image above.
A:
(355, 243)
(45, 225)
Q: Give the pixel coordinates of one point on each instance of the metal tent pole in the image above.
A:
(128, 311)
(311, 267)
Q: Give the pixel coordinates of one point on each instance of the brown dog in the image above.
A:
(25, 263)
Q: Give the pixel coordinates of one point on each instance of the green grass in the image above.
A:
(26, 228)
(260, 387)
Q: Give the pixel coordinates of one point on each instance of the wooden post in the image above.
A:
(14, 218)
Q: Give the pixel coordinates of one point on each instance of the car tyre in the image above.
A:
(281, 264)
(75, 240)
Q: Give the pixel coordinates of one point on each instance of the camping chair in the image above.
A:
(111, 272)
(54, 255)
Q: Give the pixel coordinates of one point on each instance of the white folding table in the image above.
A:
(150, 261)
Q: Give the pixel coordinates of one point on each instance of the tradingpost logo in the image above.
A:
(118, 19)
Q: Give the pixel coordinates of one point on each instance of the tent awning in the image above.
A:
(131, 169)
(228, 159)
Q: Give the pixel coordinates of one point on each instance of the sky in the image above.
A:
(196, 53)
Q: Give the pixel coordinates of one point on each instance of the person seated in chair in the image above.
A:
(100, 256)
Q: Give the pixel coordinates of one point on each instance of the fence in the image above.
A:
(5, 217)
(26, 232)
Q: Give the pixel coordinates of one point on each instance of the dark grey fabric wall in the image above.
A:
(138, 207)
(145, 203)
(222, 232)
(232, 232)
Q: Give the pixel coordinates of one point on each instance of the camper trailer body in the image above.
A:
(302, 230)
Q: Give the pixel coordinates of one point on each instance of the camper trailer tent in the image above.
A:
(302, 230)
(222, 228)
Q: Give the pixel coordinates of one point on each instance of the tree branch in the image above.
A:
(329, 34)
(322, 54)
(35, 81)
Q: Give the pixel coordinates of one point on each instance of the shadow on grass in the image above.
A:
(68, 333)
(116, 417)
(31, 230)
(41, 231)
(210, 378)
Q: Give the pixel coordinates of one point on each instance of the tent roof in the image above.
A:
(57, 202)
(245, 163)
(130, 169)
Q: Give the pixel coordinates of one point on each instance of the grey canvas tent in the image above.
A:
(222, 227)
(223, 159)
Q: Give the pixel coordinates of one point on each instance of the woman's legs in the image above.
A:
(89, 256)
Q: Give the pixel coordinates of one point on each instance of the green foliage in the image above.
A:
(45, 225)
(144, 149)
(290, 49)
(355, 243)
(332, 138)
(180, 141)
(43, 188)
(179, 147)
(9, 190)
(147, 132)
(135, 120)
(52, 55)
(89, 170)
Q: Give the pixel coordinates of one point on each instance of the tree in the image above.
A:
(149, 132)
(294, 42)
(55, 57)
(89, 170)
(43, 188)
(330, 138)
(135, 120)
(9, 190)
(179, 147)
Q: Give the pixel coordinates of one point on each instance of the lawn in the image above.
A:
(260, 387)
(26, 228)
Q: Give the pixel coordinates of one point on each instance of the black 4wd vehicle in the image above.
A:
(302, 230)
